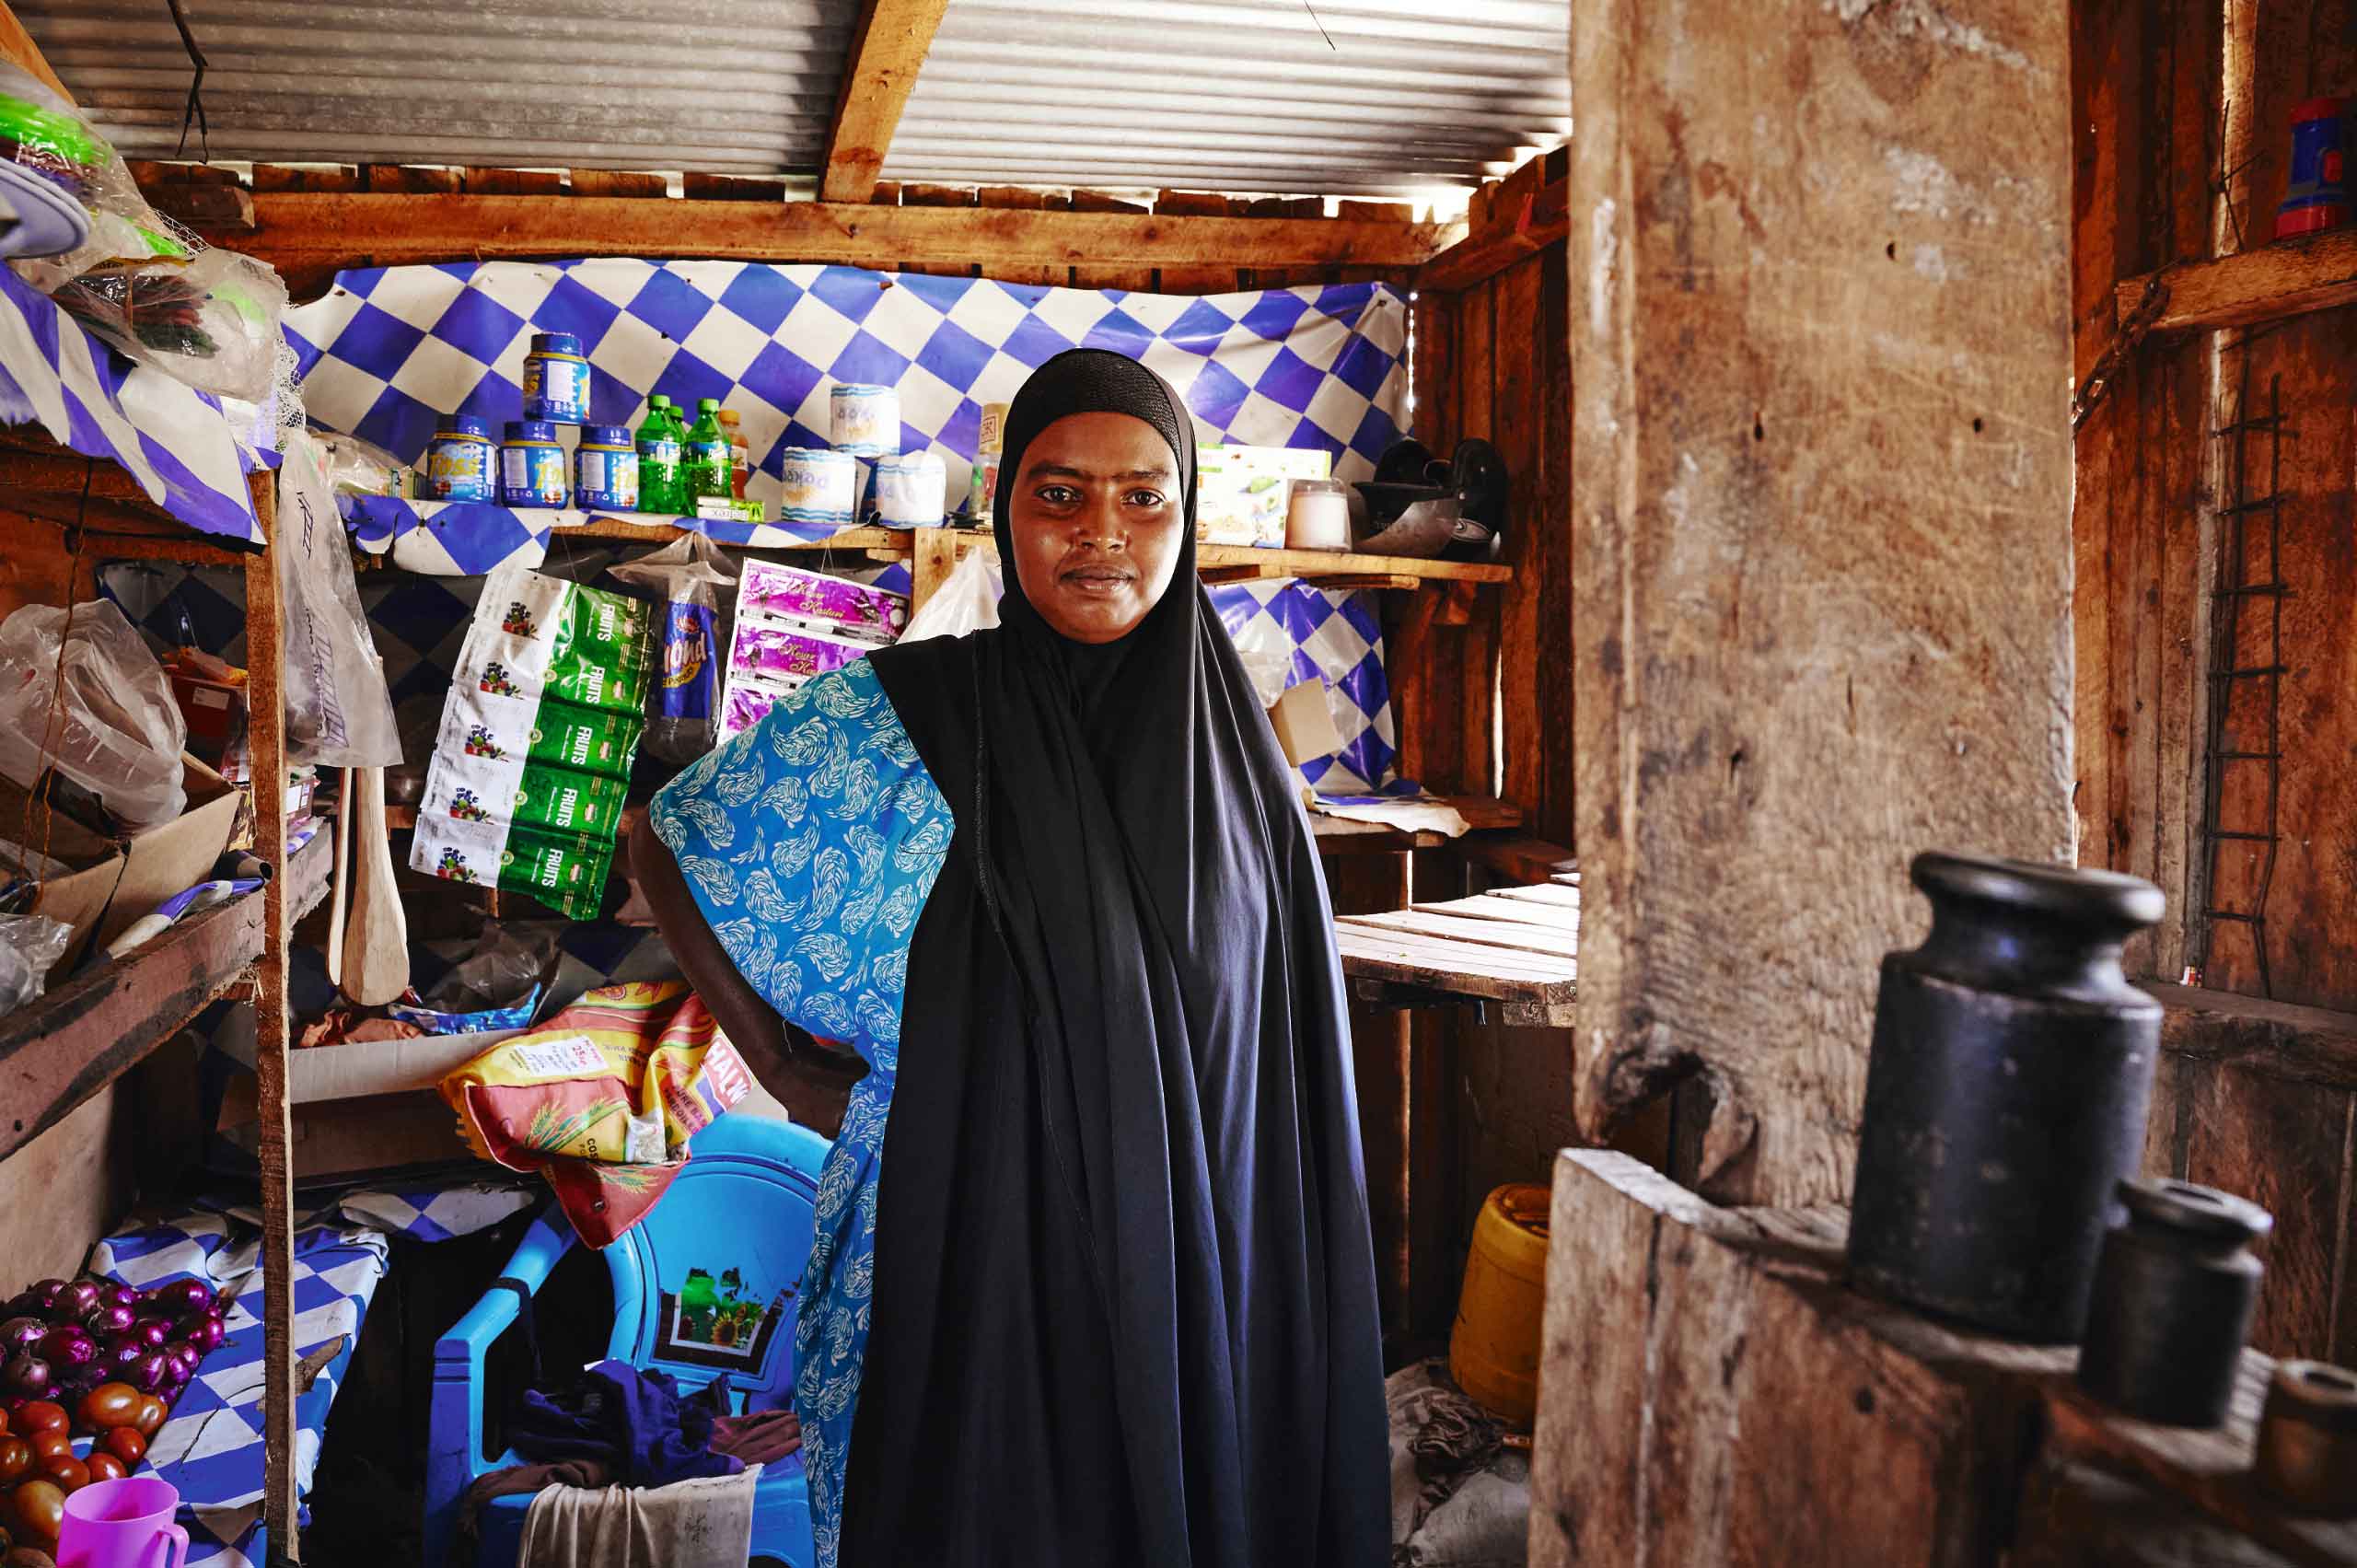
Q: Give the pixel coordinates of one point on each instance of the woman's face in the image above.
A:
(1096, 520)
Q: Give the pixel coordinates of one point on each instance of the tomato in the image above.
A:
(51, 1447)
(39, 1507)
(152, 1411)
(43, 1415)
(125, 1443)
(70, 1474)
(15, 1460)
(105, 1466)
(111, 1404)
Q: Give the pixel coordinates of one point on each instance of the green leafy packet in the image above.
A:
(565, 871)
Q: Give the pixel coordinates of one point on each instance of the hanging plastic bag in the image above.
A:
(339, 713)
(113, 728)
(681, 709)
(211, 321)
(967, 602)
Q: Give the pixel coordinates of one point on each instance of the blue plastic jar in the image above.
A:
(531, 465)
(461, 464)
(605, 468)
(556, 379)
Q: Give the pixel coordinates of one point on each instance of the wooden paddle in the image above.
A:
(343, 878)
(376, 948)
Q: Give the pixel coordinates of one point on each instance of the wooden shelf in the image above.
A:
(1518, 947)
(1229, 562)
(2290, 277)
(64, 1045)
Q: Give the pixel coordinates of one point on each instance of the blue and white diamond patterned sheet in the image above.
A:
(389, 351)
(177, 441)
(211, 1448)
(1336, 639)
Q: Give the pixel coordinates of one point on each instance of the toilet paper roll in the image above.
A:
(866, 420)
(912, 491)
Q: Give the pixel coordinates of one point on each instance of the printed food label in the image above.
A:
(558, 1058)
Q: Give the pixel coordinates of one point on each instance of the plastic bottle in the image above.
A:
(740, 453)
(661, 486)
(707, 461)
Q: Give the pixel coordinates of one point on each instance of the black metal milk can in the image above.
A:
(2005, 1096)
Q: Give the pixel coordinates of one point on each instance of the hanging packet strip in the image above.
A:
(532, 763)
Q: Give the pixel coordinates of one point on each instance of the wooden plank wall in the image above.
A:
(2157, 119)
(1482, 689)
(2247, 1098)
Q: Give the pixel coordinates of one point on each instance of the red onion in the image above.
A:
(21, 1333)
(68, 1346)
(181, 1297)
(205, 1331)
(110, 1317)
(184, 1356)
(76, 1300)
(47, 1290)
(150, 1373)
(121, 1296)
(74, 1382)
(26, 1375)
(157, 1331)
(122, 1349)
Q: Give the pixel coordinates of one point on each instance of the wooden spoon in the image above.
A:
(376, 948)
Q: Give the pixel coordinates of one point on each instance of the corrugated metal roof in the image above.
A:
(1354, 97)
(1329, 96)
(743, 87)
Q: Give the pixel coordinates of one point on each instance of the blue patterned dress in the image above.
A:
(810, 843)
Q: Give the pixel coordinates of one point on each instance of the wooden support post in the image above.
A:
(1822, 603)
(886, 51)
(266, 702)
(934, 558)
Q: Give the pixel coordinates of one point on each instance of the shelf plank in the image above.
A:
(59, 1050)
(64, 1047)
(2290, 277)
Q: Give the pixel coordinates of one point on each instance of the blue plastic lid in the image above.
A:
(530, 430)
(606, 436)
(556, 342)
(468, 425)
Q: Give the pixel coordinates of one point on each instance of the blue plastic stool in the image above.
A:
(705, 1283)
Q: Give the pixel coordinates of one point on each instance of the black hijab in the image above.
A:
(1125, 1304)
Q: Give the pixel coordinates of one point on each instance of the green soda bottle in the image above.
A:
(661, 469)
(709, 460)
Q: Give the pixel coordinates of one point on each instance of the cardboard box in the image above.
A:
(1304, 723)
(360, 1109)
(113, 882)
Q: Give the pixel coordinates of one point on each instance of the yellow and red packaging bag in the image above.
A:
(602, 1100)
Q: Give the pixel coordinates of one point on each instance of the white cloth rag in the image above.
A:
(689, 1524)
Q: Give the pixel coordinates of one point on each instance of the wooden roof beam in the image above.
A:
(293, 228)
(18, 48)
(886, 51)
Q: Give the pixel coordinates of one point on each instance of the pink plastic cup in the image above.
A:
(122, 1523)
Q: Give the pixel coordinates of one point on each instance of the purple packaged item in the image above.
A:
(779, 651)
(835, 606)
(749, 703)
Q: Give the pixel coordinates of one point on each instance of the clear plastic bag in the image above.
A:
(339, 713)
(967, 602)
(115, 730)
(682, 710)
(210, 323)
(508, 964)
(30, 943)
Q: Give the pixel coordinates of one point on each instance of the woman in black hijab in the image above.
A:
(1124, 1305)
